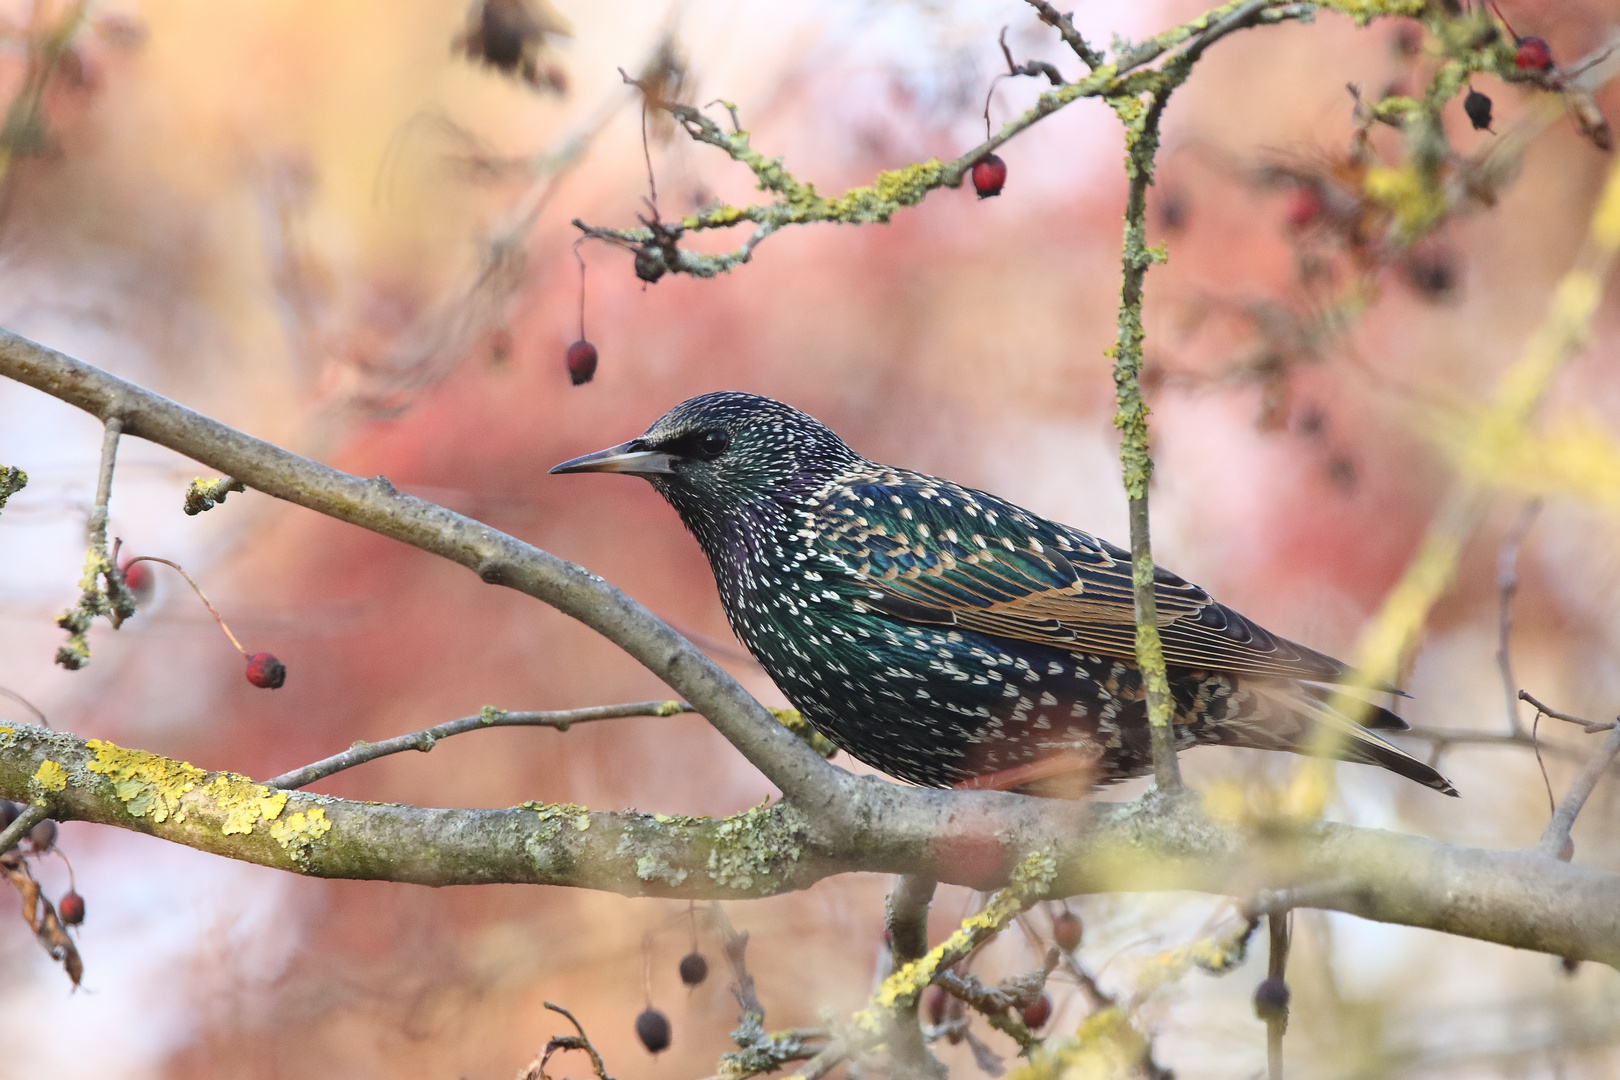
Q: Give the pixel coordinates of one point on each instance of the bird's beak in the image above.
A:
(630, 457)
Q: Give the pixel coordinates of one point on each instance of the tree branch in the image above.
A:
(490, 717)
(496, 557)
(1518, 898)
(1555, 840)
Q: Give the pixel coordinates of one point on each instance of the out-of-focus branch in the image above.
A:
(1507, 585)
(490, 717)
(1555, 840)
(657, 244)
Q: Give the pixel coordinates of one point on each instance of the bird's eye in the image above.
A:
(711, 444)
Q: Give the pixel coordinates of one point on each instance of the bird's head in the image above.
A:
(718, 455)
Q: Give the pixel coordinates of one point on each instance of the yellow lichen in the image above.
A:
(243, 802)
(1032, 878)
(1105, 1046)
(670, 708)
(51, 776)
(300, 828)
(148, 785)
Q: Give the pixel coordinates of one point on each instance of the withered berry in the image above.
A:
(42, 835)
(652, 1028)
(1478, 108)
(264, 670)
(1271, 999)
(989, 174)
(581, 362)
(71, 908)
(694, 969)
(1066, 931)
(1037, 1012)
(1533, 52)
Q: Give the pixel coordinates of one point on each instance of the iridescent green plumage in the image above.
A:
(949, 637)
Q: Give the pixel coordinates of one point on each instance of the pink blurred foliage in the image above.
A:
(212, 197)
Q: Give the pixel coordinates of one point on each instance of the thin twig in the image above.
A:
(1507, 584)
(1555, 841)
(25, 703)
(176, 567)
(31, 815)
(1588, 726)
(1276, 968)
(425, 739)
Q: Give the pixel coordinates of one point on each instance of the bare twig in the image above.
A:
(101, 587)
(1064, 25)
(1555, 841)
(490, 717)
(1587, 726)
(32, 814)
(1277, 968)
(25, 703)
(212, 610)
(1507, 584)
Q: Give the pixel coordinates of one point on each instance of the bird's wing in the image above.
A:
(931, 552)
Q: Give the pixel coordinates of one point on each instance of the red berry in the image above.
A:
(1038, 1012)
(1533, 52)
(581, 362)
(652, 1028)
(1066, 930)
(1271, 999)
(42, 835)
(694, 969)
(71, 908)
(989, 174)
(264, 670)
(1304, 206)
(138, 579)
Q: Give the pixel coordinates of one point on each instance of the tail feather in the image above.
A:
(1320, 730)
(1372, 716)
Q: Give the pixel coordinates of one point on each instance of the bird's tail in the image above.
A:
(1318, 728)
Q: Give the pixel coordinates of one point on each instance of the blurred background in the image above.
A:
(326, 225)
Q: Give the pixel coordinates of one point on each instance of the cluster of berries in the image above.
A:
(652, 1026)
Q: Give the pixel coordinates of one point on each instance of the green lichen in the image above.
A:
(671, 708)
(489, 714)
(50, 776)
(543, 845)
(1365, 11)
(753, 849)
(12, 480)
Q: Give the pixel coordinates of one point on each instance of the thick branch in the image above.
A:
(1519, 898)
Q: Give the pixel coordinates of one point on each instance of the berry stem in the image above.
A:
(200, 595)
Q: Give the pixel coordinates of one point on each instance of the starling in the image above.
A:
(949, 638)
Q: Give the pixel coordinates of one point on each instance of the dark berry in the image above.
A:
(1478, 108)
(652, 1028)
(8, 812)
(1431, 270)
(264, 670)
(42, 835)
(1037, 1012)
(581, 362)
(1569, 965)
(694, 969)
(934, 1004)
(138, 579)
(71, 908)
(1271, 999)
(1066, 931)
(1533, 52)
(989, 174)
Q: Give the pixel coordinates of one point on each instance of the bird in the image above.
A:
(949, 638)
